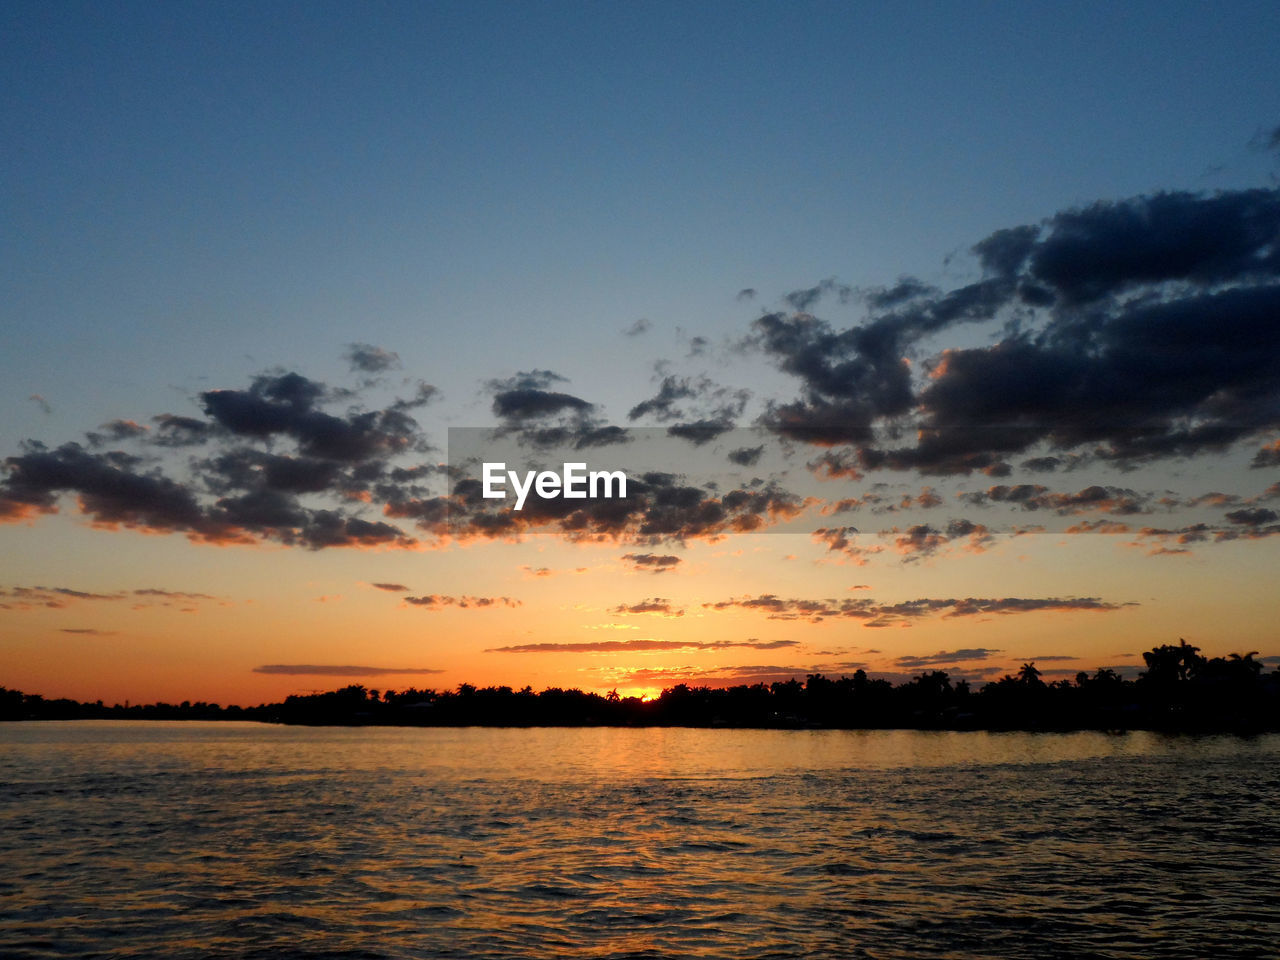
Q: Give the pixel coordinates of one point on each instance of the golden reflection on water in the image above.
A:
(240, 840)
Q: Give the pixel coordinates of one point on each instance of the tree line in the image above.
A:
(1179, 690)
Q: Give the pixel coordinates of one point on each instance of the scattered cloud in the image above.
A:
(652, 562)
(912, 662)
(1134, 330)
(325, 670)
(366, 358)
(437, 601)
(657, 605)
(879, 614)
(634, 646)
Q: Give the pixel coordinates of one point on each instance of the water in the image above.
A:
(221, 840)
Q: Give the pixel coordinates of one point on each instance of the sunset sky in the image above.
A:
(932, 336)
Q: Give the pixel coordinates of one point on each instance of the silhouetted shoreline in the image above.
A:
(1180, 691)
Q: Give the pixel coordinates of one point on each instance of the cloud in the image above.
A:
(89, 631)
(183, 595)
(42, 403)
(539, 416)
(1133, 330)
(175, 431)
(325, 670)
(713, 409)
(876, 613)
(366, 358)
(438, 601)
(390, 587)
(944, 657)
(662, 405)
(657, 605)
(526, 397)
(286, 404)
(1033, 496)
(27, 598)
(706, 676)
(638, 327)
(115, 431)
(633, 646)
(658, 508)
(248, 487)
(1267, 456)
(653, 562)
(423, 393)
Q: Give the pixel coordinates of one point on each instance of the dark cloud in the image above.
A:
(802, 300)
(184, 595)
(325, 670)
(541, 417)
(175, 431)
(1267, 456)
(390, 587)
(1253, 516)
(746, 293)
(714, 408)
(438, 601)
(366, 358)
(89, 631)
(746, 456)
(26, 598)
(114, 431)
(658, 508)
(423, 393)
(1133, 330)
(42, 403)
(1120, 501)
(637, 328)
(653, 562)
(656, 605)
(285, 404)
(632, 646)
(699, 432)
(526, 397)
(272, 446)
(662, 405)
(530, 404)
(779, 608)
(910, 662)
(110, 490)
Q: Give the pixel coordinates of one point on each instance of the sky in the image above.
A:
(928, 335)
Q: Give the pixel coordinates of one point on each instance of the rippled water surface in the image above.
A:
(177, 840)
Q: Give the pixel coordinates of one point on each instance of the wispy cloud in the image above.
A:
(656, 605)
(875, 613)
(325, 670)
(437, 601)
(633, 646)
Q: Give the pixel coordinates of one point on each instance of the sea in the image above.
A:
(130, 839)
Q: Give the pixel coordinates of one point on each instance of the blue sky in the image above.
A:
(190, 185)
(196, 194)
